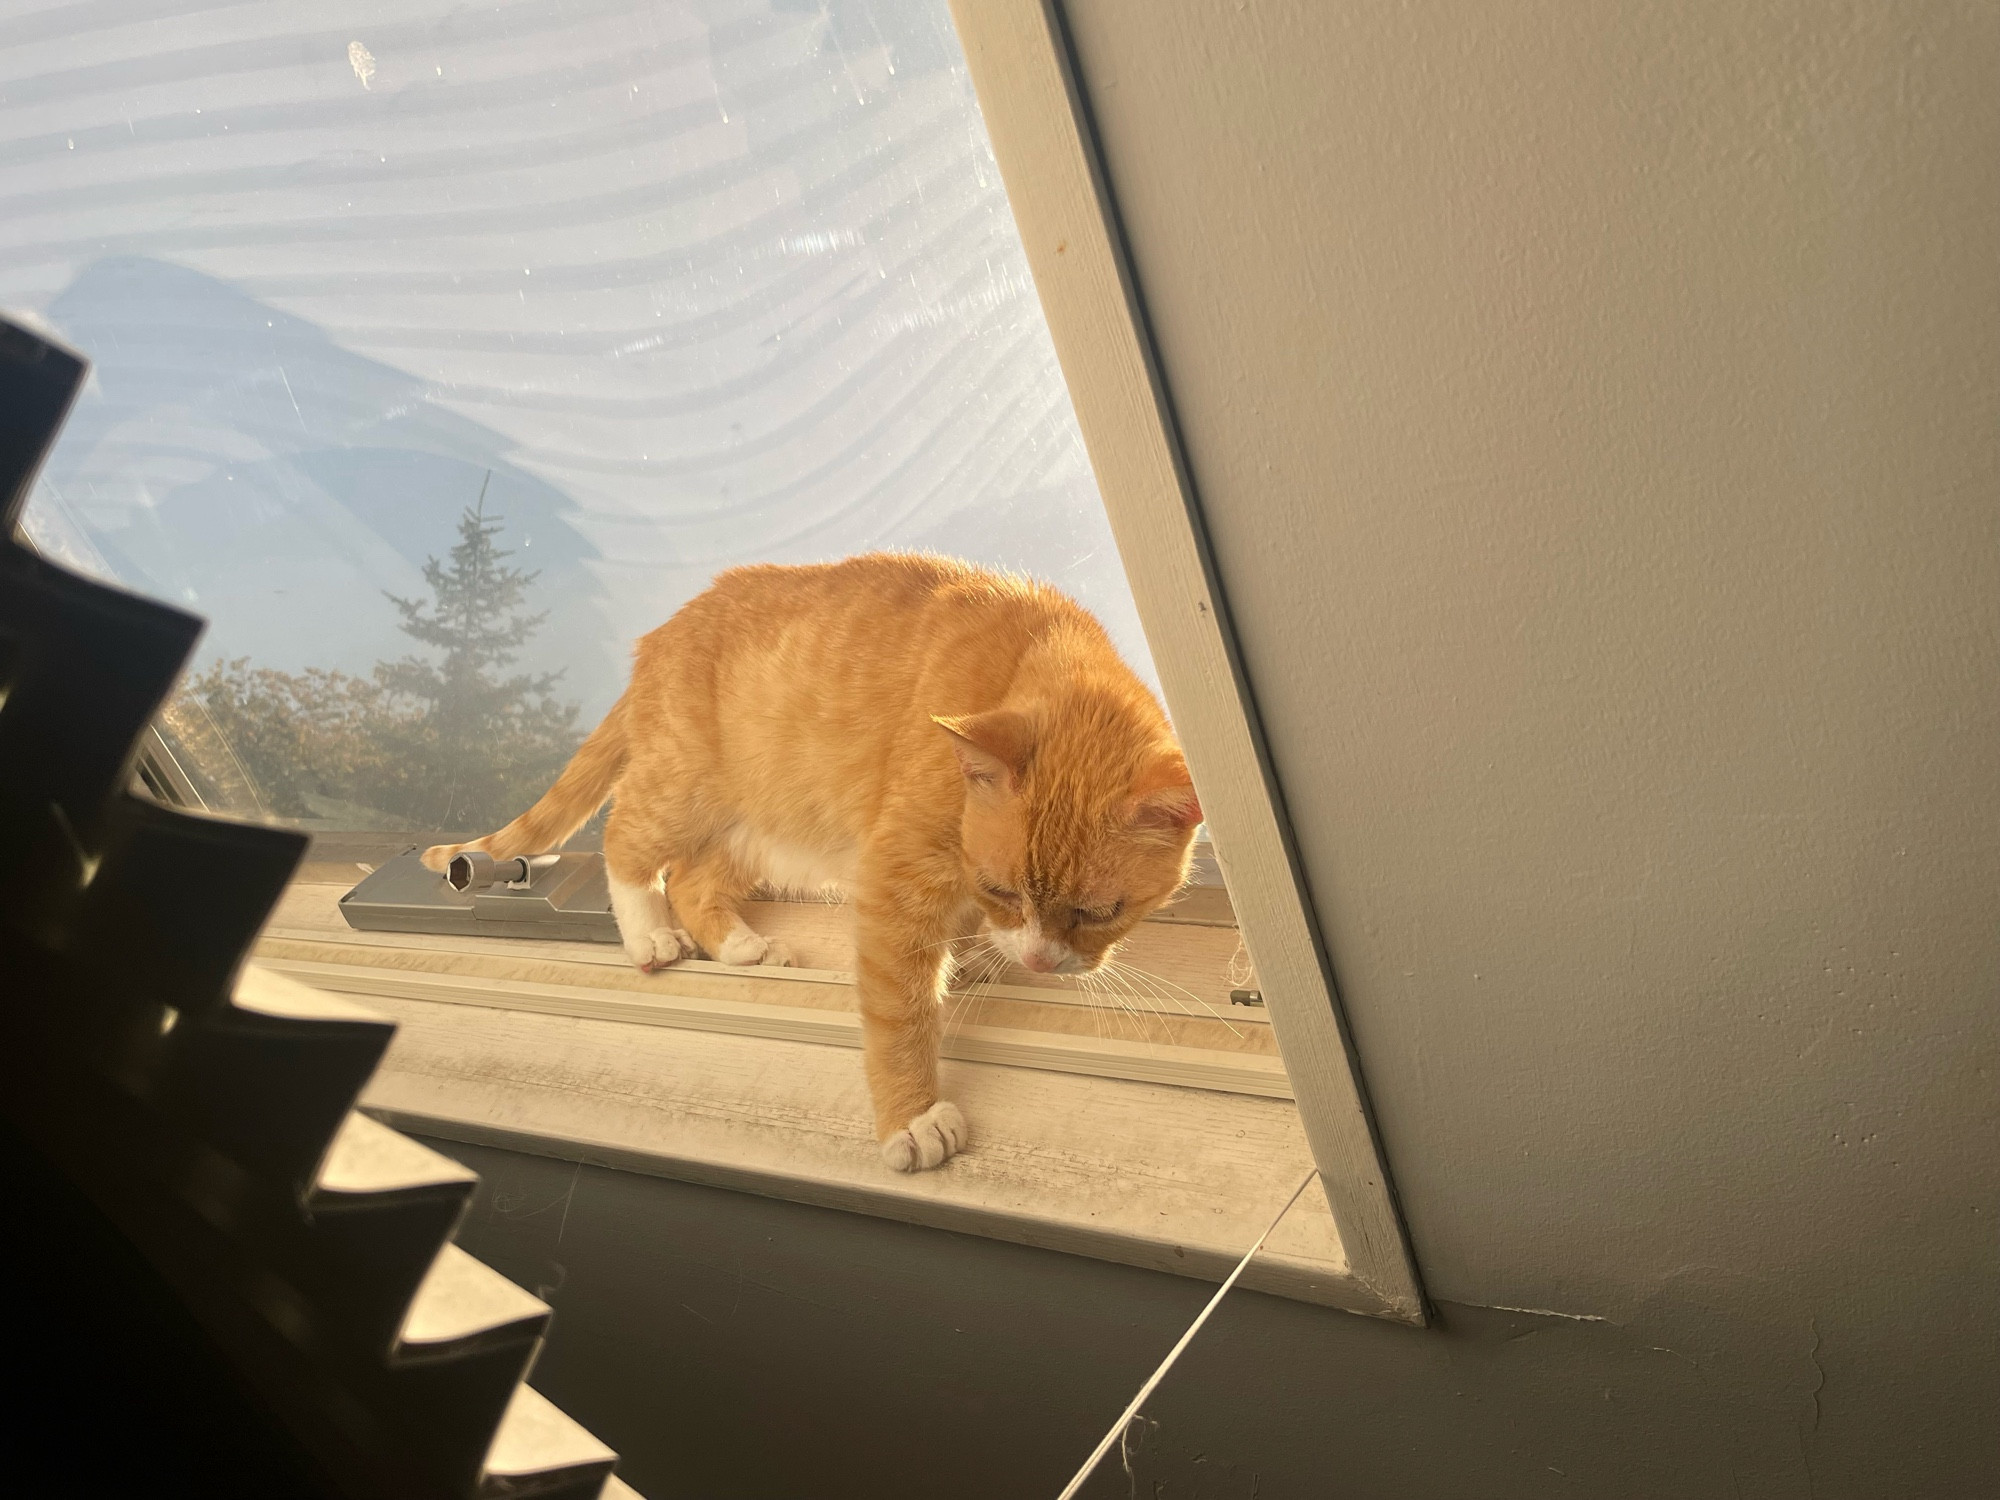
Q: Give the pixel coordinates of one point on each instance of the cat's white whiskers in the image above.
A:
(966, 995)
(1139, 1008)
(1096, 1006)
(991, 961)
(981, 958)
(961, 1001)
(959, 1005)
(1105, 1007)
(1141, 987)
(978, 971)
(1121, 1004)
(1135, 971)
(962, 976)
(1168, 986)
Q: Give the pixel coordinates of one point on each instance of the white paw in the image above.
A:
(660, 947)
(927, 1140)
(746, 947)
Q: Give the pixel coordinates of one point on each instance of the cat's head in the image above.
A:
(1079, 819)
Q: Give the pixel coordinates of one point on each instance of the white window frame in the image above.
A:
(1026, 81)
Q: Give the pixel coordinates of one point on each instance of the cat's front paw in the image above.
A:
(660, 947)
(932, 1136)
(750, 948)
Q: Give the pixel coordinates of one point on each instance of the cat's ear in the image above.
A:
(1164, 798)
(992, 748)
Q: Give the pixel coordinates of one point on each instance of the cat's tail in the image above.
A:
(565, 807)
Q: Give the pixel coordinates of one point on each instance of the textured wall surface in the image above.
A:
(1594, 411)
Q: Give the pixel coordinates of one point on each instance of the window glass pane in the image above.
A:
(653, 288)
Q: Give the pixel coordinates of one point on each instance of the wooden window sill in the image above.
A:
(1171, 1179)
(1169, 1154)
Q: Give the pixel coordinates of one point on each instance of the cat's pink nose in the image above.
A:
(1040, 962)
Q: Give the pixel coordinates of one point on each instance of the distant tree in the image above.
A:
(454, 742)
(292, 745)
(483, 743)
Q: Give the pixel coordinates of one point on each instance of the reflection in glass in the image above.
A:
(632, 291)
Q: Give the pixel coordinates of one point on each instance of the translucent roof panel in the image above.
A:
(665, 286)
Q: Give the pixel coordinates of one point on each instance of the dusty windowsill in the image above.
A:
(1175, 1162)
(1171, 1179)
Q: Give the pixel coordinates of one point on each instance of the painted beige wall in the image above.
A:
(1594, 409)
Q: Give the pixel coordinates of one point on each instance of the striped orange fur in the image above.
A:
(959, 750)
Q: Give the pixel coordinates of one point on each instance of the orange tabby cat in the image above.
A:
(957, 749)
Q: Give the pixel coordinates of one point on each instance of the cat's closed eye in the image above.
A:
(1096, 916)
(1003, 895)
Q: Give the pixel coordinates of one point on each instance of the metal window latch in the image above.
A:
(474, 871)
(1246, 997)
(554, 896)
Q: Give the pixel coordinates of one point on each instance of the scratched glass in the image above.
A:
(671, 286)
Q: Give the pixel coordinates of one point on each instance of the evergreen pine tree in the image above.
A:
(452, 744)
(482, 743)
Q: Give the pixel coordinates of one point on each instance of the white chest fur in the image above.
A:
(794, 868)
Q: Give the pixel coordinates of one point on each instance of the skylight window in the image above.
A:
(653, 289)
(439, 352)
